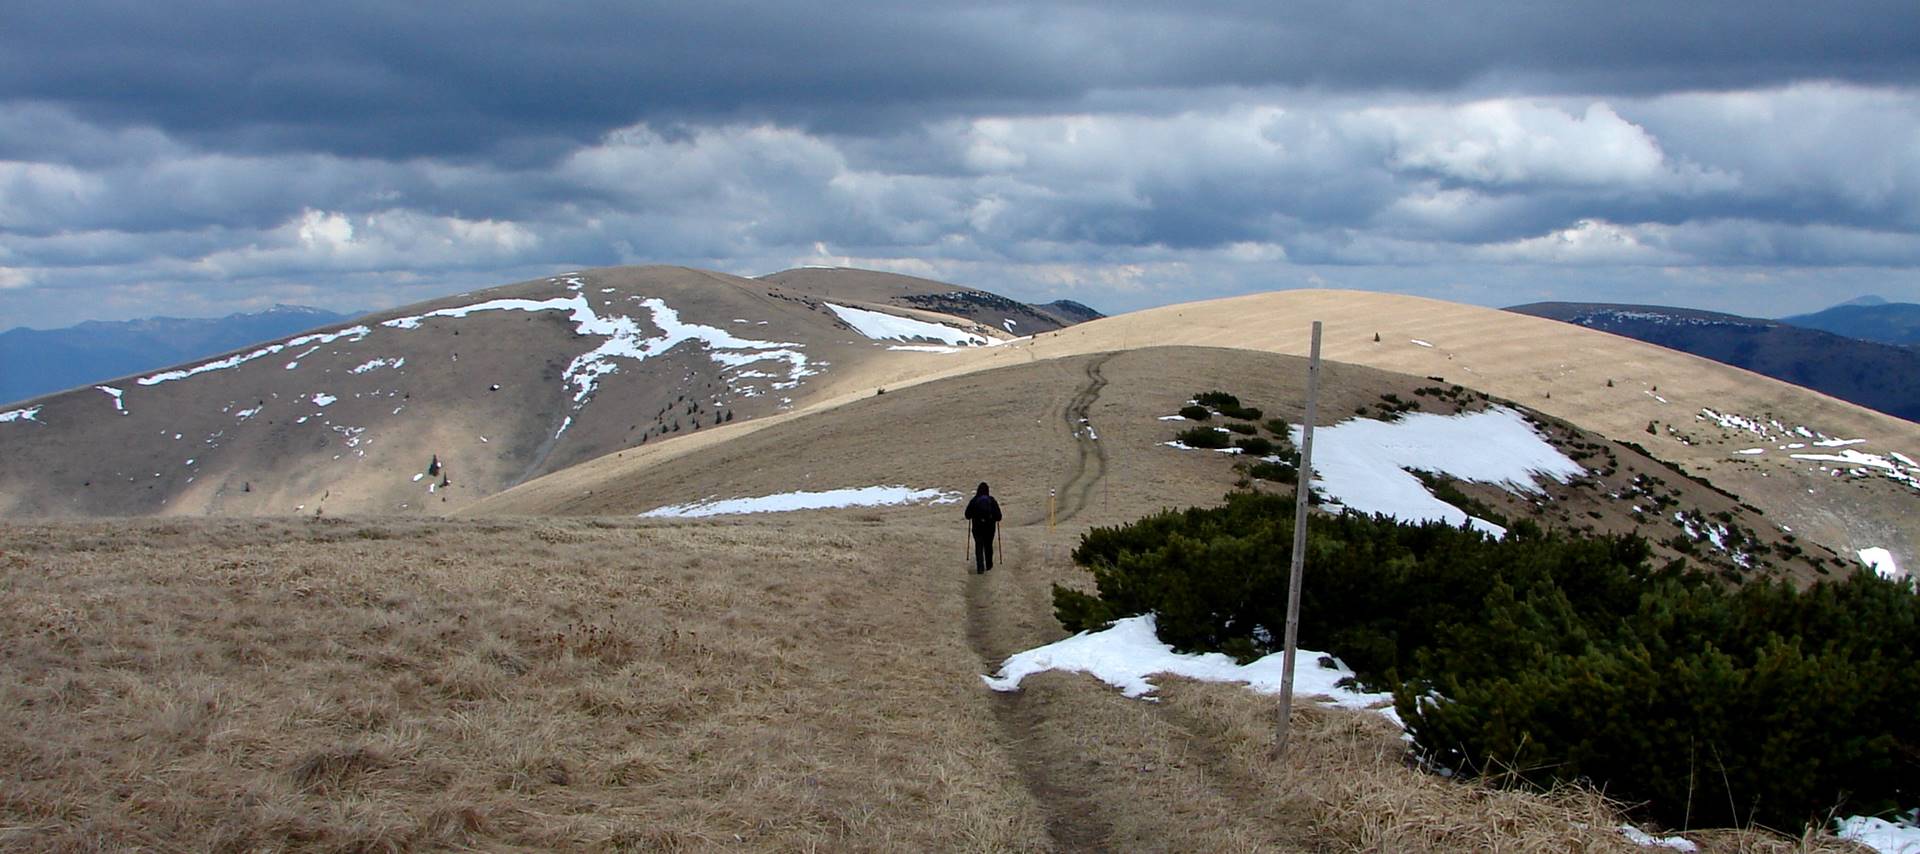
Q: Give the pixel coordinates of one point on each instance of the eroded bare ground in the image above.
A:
(803, 683)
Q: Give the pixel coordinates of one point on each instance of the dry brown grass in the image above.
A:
(393, 685)
(803, 683)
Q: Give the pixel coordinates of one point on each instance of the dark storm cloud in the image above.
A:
(227, 155)
(522, 83)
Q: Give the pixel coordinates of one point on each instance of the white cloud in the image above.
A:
(1587, 242)
(1510, 141)
(384, 240)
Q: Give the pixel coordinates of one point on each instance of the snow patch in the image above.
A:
(1128, 654)
(1881, 562)
(1643, 838)
(1420, 342)
(119, 398)
(323, 399)
(881, 326)
(376, 364)
(1364, 464)
(1865, 463)
(865, 496)
(1884, 836)
(27, 414)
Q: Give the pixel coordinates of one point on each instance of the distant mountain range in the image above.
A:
(1847, 366)
(1868, 318)
(34, 362)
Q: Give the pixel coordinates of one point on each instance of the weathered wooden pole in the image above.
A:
(1303, 487)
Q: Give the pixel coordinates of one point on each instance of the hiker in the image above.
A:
(984, 513)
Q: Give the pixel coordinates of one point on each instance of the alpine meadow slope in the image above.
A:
(1817, 468)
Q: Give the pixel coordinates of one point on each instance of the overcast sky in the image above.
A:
(198, 158)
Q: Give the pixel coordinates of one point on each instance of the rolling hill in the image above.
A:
(1821, 469)
(1874, 375)
(427, 407)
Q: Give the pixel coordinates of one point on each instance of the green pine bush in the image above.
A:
(1202, 437)
(1546, 658)
(1254, 446)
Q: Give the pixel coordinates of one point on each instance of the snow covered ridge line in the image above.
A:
(352, 333)
(861, 496)
(624, 339)
(622, 334)
(881, 326)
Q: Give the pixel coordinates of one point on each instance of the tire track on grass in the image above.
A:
(1089, 464)
(1068, 807)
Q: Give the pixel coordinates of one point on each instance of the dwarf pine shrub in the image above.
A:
(1547, 658)
(1202, 437)
(1195, 412)
(1278, 472)
(1226, 404)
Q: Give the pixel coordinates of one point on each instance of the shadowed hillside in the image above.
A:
(1874, 375)
(1887, 323)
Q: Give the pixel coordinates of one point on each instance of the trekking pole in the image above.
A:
(996, 542)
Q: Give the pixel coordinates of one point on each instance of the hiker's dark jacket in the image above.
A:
(985, 512)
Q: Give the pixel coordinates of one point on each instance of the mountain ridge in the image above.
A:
(1868, 373)
(42, 361)
(439, 403)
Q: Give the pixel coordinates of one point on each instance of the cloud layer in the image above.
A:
(356, 156)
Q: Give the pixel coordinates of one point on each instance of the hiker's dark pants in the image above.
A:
(982, 548)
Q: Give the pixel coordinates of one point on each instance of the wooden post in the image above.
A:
(1303, 487)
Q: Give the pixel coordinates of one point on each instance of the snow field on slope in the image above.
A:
(1363, 464)
(881, 326)
(831, 499)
